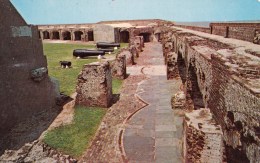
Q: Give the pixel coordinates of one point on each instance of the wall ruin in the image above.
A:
(223, 76)
(94, 86)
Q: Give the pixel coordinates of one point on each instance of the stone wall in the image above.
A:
(203, 138)
(219, 30)
(94, 86)
(118, 67)
(241, 31)
(104, 33)
(133, 32)
(26, 88)
(222, 75)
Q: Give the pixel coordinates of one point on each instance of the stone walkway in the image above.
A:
(154, 133)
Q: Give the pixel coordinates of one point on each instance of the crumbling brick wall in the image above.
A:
(241, 31)
(203, 138)
(227, 78)
(26, 88)
(241, 129)
(118, 67)
(94, 86)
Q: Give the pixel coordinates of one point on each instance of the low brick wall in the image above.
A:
(222, 75)
(203, 139)
(118, 67)
(94, 86)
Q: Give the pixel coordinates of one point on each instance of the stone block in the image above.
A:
(118, 67)
(171, 63)
(178, 100)
(134, 51)
(94, 86)
(203, 138)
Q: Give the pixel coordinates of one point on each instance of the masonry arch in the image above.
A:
(146, 36)
(124, 36)
(66, 35)
(46, 35)
(55, 35)
(193, 91)
(181, 67)
(90, 36)
(78, 35)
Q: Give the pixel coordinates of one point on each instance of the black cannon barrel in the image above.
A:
(107, 45)
(87, 53)
(106, 50)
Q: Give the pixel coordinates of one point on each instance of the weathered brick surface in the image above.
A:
(219, 30)
(224, 77)
(241, 31)
(203, 138)
(171, 65)
(94, 86)
(118, 67)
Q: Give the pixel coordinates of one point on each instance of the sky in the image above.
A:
(92, 11)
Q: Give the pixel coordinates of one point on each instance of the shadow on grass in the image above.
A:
(28, 130)
(74, 138)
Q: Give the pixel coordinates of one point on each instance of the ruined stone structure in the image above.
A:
(26, 88)
(178, 100)
(242, 31)
(223, 75)
(118, 67)
(73, 32)
(108, 31)
(94, 86)
(202, 138)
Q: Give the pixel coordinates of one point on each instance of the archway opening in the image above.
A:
(90, 36)
(181, 67)
(78, 35)
(66, 35)
(124, 37)
(46, 35)
(146, 36)
(193, 90)
(158, 37)
(55, 35)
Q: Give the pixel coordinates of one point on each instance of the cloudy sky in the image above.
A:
(91, 11)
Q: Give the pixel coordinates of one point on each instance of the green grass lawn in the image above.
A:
(56, 52)
(63, 52)
(73, 139)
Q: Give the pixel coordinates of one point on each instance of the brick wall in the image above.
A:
(241, 31)
(219, 30)
(227, 79)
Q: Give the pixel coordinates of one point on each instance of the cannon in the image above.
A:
(106, 50)
(107, 45)
(87, 53)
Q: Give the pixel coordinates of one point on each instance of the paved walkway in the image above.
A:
(154, 133)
